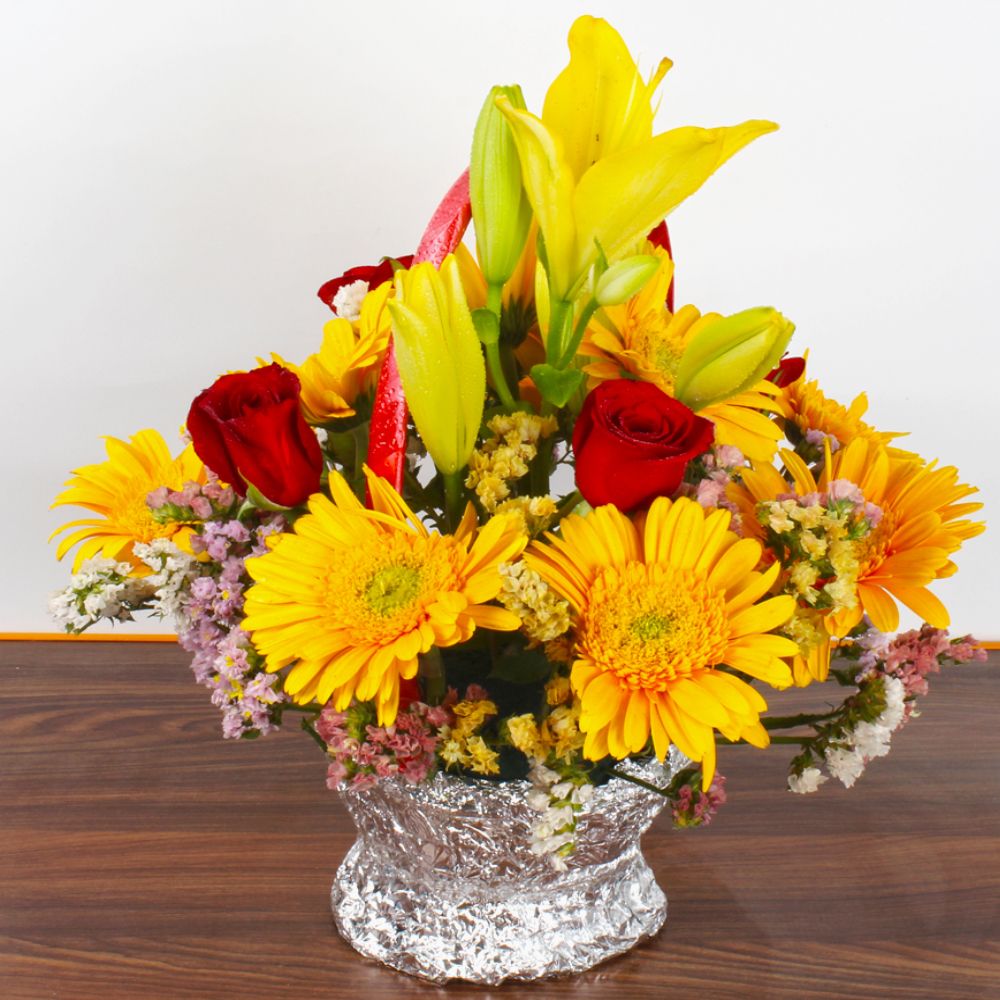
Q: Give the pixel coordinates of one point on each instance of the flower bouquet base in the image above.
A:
(443, 882)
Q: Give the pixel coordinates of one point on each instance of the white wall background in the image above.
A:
(178, 179)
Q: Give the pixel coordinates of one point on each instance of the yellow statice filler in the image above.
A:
(461, 744)
(116, 490)
(506, 455)
(352, 597)
(658, 611)
(556, 738)
(544, 614)
(534, 514)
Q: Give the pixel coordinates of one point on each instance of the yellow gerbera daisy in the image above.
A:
(641, 338)
(348, 361)
(116, 491)
(922, 524)
(658, 612)
(806, 406)
(355, 595)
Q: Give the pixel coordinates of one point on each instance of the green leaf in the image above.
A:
(487, 325)
(255, 497)
(557, 385)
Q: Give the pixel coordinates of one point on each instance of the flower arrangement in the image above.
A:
(519, 517)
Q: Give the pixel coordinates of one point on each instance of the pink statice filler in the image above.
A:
(913, 656)
(406, 749)
(693, 807)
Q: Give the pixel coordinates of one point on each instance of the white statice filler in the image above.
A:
(173, 571)
(347, 301)
(808, 781)
(868, 740)
(102, 588)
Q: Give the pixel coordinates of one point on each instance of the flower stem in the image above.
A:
(791, 721)
(494, 302)
(638, 781)
(567, 504)
(307, 727)
(560, 322)
(431, 670)
(569, 351)
(452, 498)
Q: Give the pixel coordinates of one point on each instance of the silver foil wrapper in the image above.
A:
(442, 883)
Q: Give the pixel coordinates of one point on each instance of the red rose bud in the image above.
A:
(659, 236)
(248, 429)
(789, 370)
(633, 442)
(374, 275)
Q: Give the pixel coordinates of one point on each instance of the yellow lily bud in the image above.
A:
(626, 278)
(500, 208)
(440, 361)
(731, 355)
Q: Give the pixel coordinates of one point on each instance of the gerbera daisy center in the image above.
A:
(391, 588)
(654, 623)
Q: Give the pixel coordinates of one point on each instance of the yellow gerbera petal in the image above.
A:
(361, 593)
(652, 624)
(116, 490)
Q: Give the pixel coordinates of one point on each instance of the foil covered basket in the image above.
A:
(442, 883)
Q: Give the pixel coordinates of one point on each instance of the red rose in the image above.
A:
(247, 428)
(789, 370)
(375, 275)
(633, 442)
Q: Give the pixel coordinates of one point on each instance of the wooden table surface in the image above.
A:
(145, 857)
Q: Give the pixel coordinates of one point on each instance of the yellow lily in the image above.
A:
(600, 103)
(597, 178)
(620, 198)
(730, 356)
(440, 361)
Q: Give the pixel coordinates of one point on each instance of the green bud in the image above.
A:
(730, 356)
(624, 279)
(500, 206)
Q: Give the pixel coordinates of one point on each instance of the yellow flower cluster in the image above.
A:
(806, 628)
(822, 544)
(559, 733)
(534, 514)
(462, 745)
(544, 614)
(506, 455)
(560, 650)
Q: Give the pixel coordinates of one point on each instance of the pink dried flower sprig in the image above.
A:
(195, 502)
(362, 752)
(893, 674)
(690, 806)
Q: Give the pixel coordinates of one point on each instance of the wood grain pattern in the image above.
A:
(144, 857)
